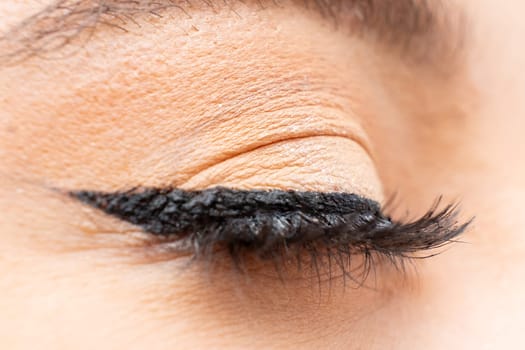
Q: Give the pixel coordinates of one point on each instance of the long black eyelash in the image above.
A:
(276, 223)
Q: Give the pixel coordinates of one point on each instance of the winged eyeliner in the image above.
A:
(270, 222)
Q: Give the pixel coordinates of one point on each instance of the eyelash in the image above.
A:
(280, 226)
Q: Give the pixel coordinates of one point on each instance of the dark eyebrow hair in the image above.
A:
(418, 28)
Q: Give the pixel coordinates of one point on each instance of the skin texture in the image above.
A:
(273, 98)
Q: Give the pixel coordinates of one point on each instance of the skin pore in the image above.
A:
(266, 97)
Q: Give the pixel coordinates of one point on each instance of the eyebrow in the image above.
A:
(416, 28)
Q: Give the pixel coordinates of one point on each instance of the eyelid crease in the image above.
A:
(358, 138)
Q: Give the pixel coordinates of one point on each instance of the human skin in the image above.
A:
(260, 98)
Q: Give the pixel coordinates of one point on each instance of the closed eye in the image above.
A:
(244, 117)
(276, 224)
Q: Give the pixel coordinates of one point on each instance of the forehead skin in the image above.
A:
(161, 104)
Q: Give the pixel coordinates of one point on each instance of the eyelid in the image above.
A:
(313, 163)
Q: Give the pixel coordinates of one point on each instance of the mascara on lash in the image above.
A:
(268, 221)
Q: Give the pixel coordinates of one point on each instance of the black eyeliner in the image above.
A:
(266, 222)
